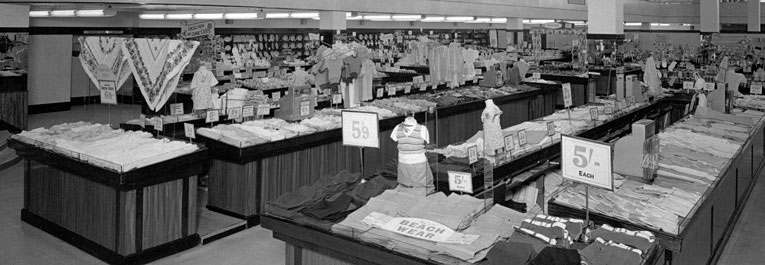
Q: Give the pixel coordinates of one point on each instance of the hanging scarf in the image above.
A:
(107, 51)
(157, 66)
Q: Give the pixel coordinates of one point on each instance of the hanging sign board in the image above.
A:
(587, 161)
(201, 29)
(360, 129)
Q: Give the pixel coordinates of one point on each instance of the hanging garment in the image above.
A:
(414, 173)
(157, 66)
(366, 78)
(470, 56)
(201, 84)
(104, 51)
(334, 67)
(651, 76)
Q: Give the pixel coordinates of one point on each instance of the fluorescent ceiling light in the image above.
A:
(209, 16)
(687, 25)
(152, 16)
(39, 13)
(663, 25)
(499, 20)
(304, 15)
(633, 24)
(433, 19)
(179, 16)
(62, 13)
(654, 24)
(577, 22)
(459, 19)
(406, 17)
(278, 15)
(377, 17)
(241, 15)
(354, 18)
(480, 20)
(90, 13)
(540, 21)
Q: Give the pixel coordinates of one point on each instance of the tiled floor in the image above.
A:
(21, 243)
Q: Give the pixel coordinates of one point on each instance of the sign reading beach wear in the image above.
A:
(418, 228)
(460, 181)
(205, 28)
(587, 161)
(360, 129)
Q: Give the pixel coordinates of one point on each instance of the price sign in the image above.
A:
(550, 128)
(360, 129)
(418, 79)
(477, 72)
(594, 114)
(509, 143)
(567, 100)
(276, 96)
(379, 93)
(391, 90)
(260, 74)
(176, 109)
(158, 125)
(522, 138)
(423, 87)
(270, 74)
(305, 108)
(142, 121)
(687, 85)
(427, 78)
(108, 92)
(587, 161)
(337, 98)
(188, 130)
(536, 75)
(238, 75)
(407, 89)
(248, 111)
(234, 113)
(460, 181)
(212, 116)
(609, 109)
(473, 154)
(756, 89)
(264, 110)
(709, 86)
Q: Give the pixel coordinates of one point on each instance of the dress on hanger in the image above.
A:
(366, 78)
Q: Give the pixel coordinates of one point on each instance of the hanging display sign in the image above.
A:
(201, 29)
(552, 25)
(587, 161)
(460, 181)
(360, 129)
(418, 228)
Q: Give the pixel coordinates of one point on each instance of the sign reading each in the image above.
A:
(587, 161)
(248, 111)
(360, 129)
(460, 181)
(756, 89)
(212, 116)
(567, 100)
(176, 109)
(188, 130)
(473, 154)
(709, 86)
(305, 108)
(108, 92)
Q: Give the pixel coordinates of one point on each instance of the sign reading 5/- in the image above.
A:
(360, 129)
(587, 161)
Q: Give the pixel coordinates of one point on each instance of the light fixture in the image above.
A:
(480, 20)
(90, 13)
(241, 15)
(208, 16)
(151, 16)
(663, 25)
(377, 17)
(304, 15)
(39, 13)
(633, 24)
(179, 16)
(459, 19)
(499, 20)
(406, 17)
(576, 22)
(687, 25)
(354, 18)
(433, 19)
(540, 21)
(62, 13)
(278, 15)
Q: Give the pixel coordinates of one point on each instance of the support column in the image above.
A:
(14, 16)
(605, 17)
(753, 14)
(710, 15)
(332, 20)
(645, 26)
(514, 27)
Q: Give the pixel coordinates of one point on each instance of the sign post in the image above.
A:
(360, 129)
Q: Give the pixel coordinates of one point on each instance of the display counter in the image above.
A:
(13, 99)
(122, 218)
(582, 87)
(605, 78)
(700, 236)
(243, 179)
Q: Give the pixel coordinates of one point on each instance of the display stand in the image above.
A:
(121, 218)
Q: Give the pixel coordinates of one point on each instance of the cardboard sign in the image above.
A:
(687, 85)
(473, 154)
(460, 181)
(550, 128)
(176, 109)
(234, 113)
(205, 28)
(536, 75)
(756, 89)
(264, 110)
(423, 87)
(418, 79)
(360, 129)
(593, 114)
(379, 93)
(158, 125)
(248, 111)
(522, 141)
(212, 116)
(709, 86)
(587, 161)
(509, 143)
(188, 130)
(567, 100)
(108, 92)
(407, 89)
(419, 229)
(391, 90)
(305, 108)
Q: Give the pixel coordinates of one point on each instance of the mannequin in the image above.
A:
(414, 175)
(492, 130)
(651, 76)
(201, 87)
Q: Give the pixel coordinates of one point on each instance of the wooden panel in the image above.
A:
(126, 244)
(13, 108)
(514, 112)
(697, 244)
(162, 213)
(233, 187)
(745, 173)
(192, 204)
(724, 204)
(310, 257)
(79, 205)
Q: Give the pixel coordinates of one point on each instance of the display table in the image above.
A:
(605, 78)
(13, 100)
(704, 232)
(241, 180)
(582, 87)
(121, 218)
(306, 245)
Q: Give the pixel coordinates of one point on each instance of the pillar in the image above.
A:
(332, 20)
(710, 15)
(605, 17)
(514, 27)
(753, 14)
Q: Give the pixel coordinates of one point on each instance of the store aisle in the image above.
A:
(747, 242)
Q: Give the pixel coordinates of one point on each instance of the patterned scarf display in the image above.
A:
(106, 51)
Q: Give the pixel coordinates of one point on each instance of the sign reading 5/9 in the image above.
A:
(587, 162)
(360, 129)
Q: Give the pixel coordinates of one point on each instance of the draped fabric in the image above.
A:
(106, 51)
(157, 65)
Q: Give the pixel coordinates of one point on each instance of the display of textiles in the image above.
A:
(157, 65)
(751, 102)
(103, 146)
(693, 154)
(106, 51)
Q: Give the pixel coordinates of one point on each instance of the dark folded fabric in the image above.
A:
(510, 253)
(376, 186)
(326, 208)
(557, 256)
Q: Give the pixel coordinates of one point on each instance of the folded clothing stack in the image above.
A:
(618, 246)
